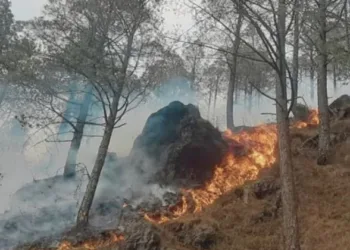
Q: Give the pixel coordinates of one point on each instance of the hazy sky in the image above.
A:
(26, 9)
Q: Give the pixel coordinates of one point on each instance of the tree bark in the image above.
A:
(312, 73)
(209, 105)
(233, 72)
(346, 10)
(71, 162)
(290, 220)
(296, 36)
(334, 77)
(324, 128)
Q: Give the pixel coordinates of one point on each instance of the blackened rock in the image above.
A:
(340, 102)
(301, 112)
(340, 107)
(178, 146)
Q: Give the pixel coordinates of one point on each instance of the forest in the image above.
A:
(130, 133)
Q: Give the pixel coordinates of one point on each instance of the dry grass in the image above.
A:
(324, 206)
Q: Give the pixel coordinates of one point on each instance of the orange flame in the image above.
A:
(234, 170)
(313, 120)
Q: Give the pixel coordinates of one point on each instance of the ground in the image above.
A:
(323, 198)
(249, 216)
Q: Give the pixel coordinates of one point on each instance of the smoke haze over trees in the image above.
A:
(79, 81)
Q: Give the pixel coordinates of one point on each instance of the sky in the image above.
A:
(27, 9)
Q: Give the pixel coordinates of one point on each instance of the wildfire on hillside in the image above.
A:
(234, 170)
(259, 145)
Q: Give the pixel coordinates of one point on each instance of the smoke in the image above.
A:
(49, 205)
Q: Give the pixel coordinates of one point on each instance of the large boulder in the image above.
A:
(341, 102)
(301, 112)
(340, 107)
(178, 147)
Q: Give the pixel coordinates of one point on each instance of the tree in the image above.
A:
(296, 38)
(108, 43)
(324, 128)
(233, 69)
(290, 221)
(269, 21)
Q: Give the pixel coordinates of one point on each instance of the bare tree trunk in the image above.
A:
(233, 71)
(209, 105)
(296, 36)
(71, 162)
(83, 214)
(346, 10)
(215, 96)
(290, 220)
(324, 128)
(250, 98)
(334, 77)
(312, 73)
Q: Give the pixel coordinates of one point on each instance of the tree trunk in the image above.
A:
(215, 96)
(324, 128)
(71, 162)
(296, 36)
(334, 77)
(250, 98)
(346, 10)
(289, 204)
(209, 105)
(233, 71)
(312, 74)
(83, 214)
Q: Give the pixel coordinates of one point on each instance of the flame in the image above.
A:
(313, 120)
(93, 244)
(234, 170)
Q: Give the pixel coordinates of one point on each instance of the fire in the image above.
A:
(234, 170)
(313, 120)
(92, 244)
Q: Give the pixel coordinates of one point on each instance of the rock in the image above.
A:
(178, 146)
(340, 102)
(301, 112)
(195, 233)
(340, 107)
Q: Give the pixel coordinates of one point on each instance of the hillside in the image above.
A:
(240, 207)
(255, 223)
